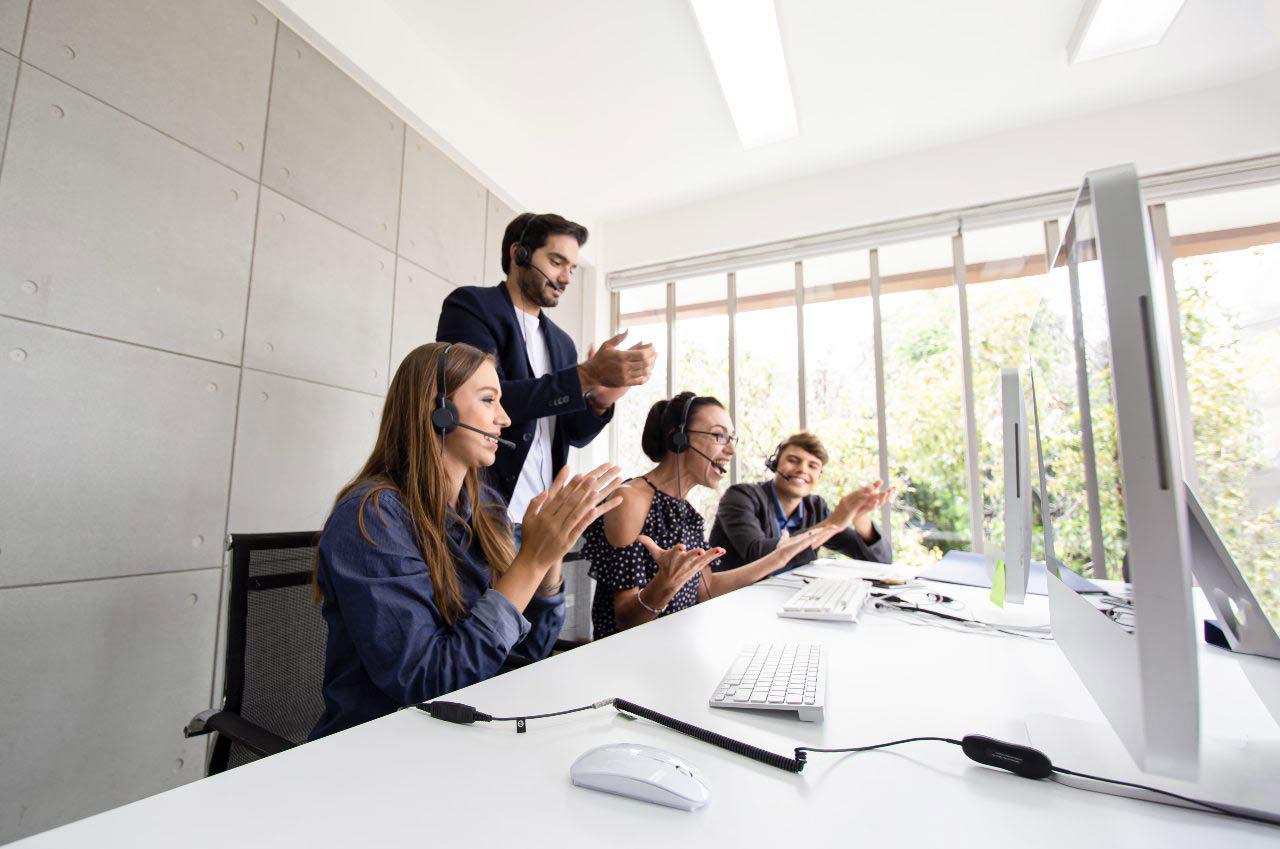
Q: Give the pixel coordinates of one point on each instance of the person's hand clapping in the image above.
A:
(857, 507)
(612, 368)
(676, 567)
(555, 519)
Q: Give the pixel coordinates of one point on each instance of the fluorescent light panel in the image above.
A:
(1107, 27)
(746, 50)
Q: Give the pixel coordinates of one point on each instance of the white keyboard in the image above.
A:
(776, 676)
(832, 599)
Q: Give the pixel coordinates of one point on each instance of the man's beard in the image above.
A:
(533, 287)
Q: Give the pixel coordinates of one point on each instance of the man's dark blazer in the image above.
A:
(746, 528)
(483, 316)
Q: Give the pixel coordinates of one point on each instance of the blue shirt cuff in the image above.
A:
(502, 617)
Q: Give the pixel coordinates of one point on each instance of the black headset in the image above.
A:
(445, 416)
(524, 256)
(678, 440)
(771, 462)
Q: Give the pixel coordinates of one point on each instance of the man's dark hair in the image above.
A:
(541, 226)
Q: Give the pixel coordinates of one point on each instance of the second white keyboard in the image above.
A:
(832, 599)
(776, 676)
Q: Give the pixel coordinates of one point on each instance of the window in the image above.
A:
(1005, 273)
(768, 400)
(642, 312)
(702, 355)
(1226, 270)
(840, 370)
(924, 403)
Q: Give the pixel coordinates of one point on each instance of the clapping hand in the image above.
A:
(856, 508)
(677, 565)
(612, 367)
(556, 518)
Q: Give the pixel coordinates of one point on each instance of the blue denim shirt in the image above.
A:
(388, 644)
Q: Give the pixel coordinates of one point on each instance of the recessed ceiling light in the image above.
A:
(1107, 27)
(746, 50)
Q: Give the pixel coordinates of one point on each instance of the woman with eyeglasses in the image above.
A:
(650, 555)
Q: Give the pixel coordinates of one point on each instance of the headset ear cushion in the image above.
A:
(679, 442)
(445, 418)
(522, 255)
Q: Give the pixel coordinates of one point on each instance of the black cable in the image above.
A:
(461, 714)
(881, 745)
(1020, 760)
(1225, 810)
(1031, 763)
(763, 756)
(900, 604)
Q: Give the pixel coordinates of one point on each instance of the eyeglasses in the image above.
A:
(720, 438)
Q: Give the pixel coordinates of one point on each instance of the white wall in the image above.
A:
(1208, 126)
(215, 247)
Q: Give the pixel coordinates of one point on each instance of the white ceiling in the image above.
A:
(608, 108)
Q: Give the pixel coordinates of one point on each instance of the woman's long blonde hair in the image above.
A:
(406, 460)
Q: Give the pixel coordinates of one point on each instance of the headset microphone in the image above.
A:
(721, 469)
(507, 443)
(554, 284)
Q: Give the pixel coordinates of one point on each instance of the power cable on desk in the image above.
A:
(895, 601)
(1011, 757)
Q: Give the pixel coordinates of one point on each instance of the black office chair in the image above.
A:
(275, 652)
(274, 669)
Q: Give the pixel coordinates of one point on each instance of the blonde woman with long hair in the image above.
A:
(417, 572)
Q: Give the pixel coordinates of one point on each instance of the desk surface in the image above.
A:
(408, 779)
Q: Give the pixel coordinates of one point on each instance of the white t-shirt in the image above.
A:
(535, 474)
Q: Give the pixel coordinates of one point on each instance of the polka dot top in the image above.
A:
(670, 521)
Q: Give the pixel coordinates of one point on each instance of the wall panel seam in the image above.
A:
(395, 258)
(100, 578)
(188, 146)
(118, 341)
(136, 119)
(314, 382)
(244, 341)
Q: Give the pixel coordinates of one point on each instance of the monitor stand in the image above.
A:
(1235, 773)
(1252, 638)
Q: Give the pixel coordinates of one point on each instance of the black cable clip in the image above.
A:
(521, 726)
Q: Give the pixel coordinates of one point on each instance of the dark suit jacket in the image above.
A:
(747, 528)
(484, 317)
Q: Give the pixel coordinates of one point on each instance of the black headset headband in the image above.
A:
(679, 440)
(771, 462)
(524, 255)
(444, 417)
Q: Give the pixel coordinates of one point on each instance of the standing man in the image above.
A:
(752, 516)
(553, 400)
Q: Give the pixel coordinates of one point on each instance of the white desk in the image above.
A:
(410, 780)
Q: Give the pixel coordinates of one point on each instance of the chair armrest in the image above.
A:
(255, 738)
(514, 661)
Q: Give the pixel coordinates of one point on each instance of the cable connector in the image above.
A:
(455, 712)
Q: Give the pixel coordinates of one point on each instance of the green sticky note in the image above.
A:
(997, 585)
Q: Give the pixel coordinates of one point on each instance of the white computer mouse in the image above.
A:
(642, 772)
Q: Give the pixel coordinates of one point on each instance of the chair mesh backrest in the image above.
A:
(284, 647)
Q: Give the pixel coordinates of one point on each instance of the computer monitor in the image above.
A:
(1017, 487)
(1143, 676)
(1243, 621)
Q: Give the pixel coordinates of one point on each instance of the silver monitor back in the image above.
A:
(1017, 487)
(1144, 681)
